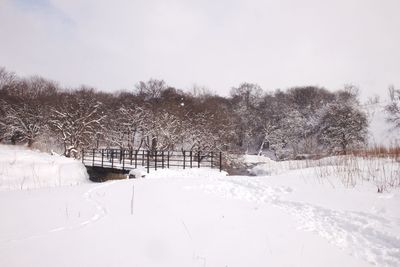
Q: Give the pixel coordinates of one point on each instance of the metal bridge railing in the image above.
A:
(126, 159)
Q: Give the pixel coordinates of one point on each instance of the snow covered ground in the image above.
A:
(201, 217)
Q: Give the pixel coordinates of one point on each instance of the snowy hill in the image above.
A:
(21, 168)
(381, 132)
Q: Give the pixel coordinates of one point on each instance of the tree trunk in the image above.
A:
(261, 147)
(30, 142)
(153, 143)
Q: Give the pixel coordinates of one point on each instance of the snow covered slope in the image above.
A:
(201, 217)
(21, 168)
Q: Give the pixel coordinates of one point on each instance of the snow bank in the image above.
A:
(140, 172)
(21, 168)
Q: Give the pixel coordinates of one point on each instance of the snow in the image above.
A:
(21, 169)
(358, 222)
(140, 172)
(255, 159)
(202, 217)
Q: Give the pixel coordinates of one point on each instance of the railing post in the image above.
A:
(191, 159)
(198, 159)
(83, 155)
(162, 159)
(143, 157)
(184, 159)
(112, 158)
(136, 158)
(220, 161)
(102, 157)
(148, 161)
(155, 160)
(123, 159)
(93, 157)
(130, 155)
(212, 157)
(168, 160)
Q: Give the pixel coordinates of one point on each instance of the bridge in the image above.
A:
(124, 160)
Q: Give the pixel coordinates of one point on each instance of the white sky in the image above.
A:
(217, 44)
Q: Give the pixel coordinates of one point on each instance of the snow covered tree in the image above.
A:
(77, 120)
(25, 122)
(162, 132)
(155, 116)
(342, 126)
(25, 105)
(196, 132)
(307, 100)
(245, 100)
(209, 123)
(272, 111)
(393, 108)
(289, 121)
(158, 123)
(3, 123)
(124, 127)
(294, 128)
(285, 134)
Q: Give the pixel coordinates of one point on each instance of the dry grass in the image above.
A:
(370, 165)
(379, 165)
(378, 152)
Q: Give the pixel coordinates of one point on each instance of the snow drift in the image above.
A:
(21, 168)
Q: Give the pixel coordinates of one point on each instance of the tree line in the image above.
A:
(155, 116)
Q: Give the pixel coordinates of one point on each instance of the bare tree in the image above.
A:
(151, 89)
(6, 78)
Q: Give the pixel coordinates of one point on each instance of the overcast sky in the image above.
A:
(217, 44)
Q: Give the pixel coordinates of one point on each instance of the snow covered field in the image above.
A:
(201, 217)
